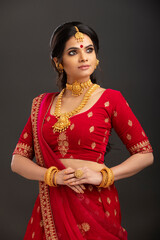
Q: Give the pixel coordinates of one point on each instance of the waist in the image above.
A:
(79, 163)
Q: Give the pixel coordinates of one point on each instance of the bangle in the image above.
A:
(107, 178)
(49, 176)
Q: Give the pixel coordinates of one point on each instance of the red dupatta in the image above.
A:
(66, 214)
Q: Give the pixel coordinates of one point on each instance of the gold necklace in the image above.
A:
(63, 121)
(77, 88)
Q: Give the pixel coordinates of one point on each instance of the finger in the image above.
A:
(82, 186)
(79, 188)
(68, 176)
(74, 189)
(69, 170)
(77, 182)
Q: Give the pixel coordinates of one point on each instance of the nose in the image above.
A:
(83, 57)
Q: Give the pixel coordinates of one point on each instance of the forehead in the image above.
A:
(72, 42)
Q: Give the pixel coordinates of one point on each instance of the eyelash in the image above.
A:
(74, 51)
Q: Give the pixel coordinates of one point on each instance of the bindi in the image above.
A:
(81, 46)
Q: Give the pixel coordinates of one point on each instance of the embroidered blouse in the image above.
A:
(88, 134)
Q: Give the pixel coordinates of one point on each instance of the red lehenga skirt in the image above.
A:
(60, 213)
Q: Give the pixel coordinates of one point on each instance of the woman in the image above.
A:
(68, 132)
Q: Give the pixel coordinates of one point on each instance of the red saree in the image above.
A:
(60, 213)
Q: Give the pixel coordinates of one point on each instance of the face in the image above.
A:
(79, 58)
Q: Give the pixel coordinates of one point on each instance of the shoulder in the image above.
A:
(111, 94)
(44, 95)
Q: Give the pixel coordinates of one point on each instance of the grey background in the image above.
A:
(129, 60)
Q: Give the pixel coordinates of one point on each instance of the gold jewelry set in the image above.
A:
(107, 178)
(79, 37)
(50, 176)
(77, 88)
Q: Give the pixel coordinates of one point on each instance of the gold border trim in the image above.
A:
(141, 147)
(24, 150)
(49, 226)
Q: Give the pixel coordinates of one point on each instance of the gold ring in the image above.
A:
(78, 173)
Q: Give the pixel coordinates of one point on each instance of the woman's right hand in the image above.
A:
(61, 176)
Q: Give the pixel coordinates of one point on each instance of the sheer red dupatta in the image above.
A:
(67, 215)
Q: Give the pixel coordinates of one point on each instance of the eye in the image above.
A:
(89, 50)
(72, 53)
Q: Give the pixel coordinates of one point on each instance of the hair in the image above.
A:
(58, 41)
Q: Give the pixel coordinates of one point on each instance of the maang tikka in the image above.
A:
(78, 35)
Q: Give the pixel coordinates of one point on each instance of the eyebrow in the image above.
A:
(75, 48)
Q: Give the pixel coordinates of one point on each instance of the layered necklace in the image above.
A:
(63, 121)
(77, 88)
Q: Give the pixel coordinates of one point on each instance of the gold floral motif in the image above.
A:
(72, 126)
(41, 223)
(85, 227)
(141, 147)
(108, 200)
(63, 144)
(33, 235)
(100, 200)
(129, 137)
(25, 135)
(79, 141)
(93, 145)
(143, 134)
(106, 104)
(91, 129)
(115, 113)
(31, 220)
(107, 213)
(115, 212)
(48, 221)
(48, 119)
(24, 150)
(90, 114)
(130, 123)
(104, 139)
(106, 120)
(97, 160)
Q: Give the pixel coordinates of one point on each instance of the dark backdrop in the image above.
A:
(129, 61)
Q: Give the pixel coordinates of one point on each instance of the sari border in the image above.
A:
(49, 226)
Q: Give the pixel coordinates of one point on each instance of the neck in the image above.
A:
(80, 80)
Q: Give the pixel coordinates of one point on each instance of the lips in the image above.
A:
(84, 67)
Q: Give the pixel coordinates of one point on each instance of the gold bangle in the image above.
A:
(48, 176)
(107, 177)
(54, 178)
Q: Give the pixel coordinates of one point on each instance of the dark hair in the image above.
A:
(58, 40)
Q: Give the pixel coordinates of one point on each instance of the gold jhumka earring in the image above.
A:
(59, 67)
(97, 63)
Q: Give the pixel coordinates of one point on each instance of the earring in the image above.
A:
(59, 67)
(97, 63)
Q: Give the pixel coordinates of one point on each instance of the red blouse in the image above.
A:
(88, 134)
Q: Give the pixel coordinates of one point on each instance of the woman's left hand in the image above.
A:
(89, 177)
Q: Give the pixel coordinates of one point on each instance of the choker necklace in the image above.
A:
(77, 88)
(63, 121)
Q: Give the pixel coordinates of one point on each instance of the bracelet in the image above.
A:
(107, 178)
(50, 176)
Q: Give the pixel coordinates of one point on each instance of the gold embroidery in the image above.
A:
(63, 144)
(90, 114)
(91, 129)
(129, 137)
(143, 134)
(93, 145)
(104, 139)
(48, 119)
(31, 220)
(25, 135)
(107, 213)
(106, 132)
(106, 104)
(24, 150)
(38, 209)
(115, 114)
(108, 200)
(106, 120)
(72, 126)
(127, 104)
(90, 187)
(97, 160)
(116, 198)
(41, 223)
(85, 227)
(79, 141)
(130, 123)
(49, 226)
(100, 200)
(33, 234)
(141, 147)
(115, 212)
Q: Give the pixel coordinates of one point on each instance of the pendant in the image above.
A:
(76, 89)
(62, 124)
